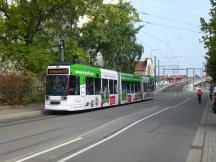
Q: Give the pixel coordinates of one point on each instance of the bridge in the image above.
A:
(190, 84)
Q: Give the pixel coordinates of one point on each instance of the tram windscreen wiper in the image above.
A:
(57, 85)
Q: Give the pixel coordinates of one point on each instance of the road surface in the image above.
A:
(159, 130)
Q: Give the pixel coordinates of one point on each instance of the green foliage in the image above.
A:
(14, 88)
(29, 32)
(111, 32)
(33, 98)
(209, 39)
(211, 64)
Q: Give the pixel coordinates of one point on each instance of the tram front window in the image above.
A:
(57, 85)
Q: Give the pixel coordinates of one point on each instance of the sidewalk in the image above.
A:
(17, 111)
(209, 150)
(203, 148)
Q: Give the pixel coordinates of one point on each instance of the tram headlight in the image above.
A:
(64, 97)
(47, 97)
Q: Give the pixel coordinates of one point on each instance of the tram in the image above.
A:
(75, 86)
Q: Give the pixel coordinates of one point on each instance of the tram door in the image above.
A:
(105, 92)
(109, 87)
(113, 92)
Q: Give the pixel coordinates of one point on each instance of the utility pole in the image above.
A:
(155, 70)
(202, 78)
(158, 70)
(187, 78)
(62, 47)
(164, 72)
(173, 75)
(193, 78)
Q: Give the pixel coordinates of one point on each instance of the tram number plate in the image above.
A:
(55, 102)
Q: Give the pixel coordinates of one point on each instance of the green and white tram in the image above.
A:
(73, 86)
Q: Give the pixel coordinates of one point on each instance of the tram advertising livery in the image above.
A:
(77, 86)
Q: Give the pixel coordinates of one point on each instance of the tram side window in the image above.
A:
(148, 87)
(89, 86)
(105, 85)
(74, 85)
(111, 87)
(132, 87)
(128, 87)
(124, 87)
(138, 87)
(97, 82)
(115, 87)
(151, 86)
(145, 87)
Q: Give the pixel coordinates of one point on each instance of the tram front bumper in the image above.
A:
(58, 107)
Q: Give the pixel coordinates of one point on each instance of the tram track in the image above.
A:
(50, 115)
(50, 136)
(171, 102)
(7, 123)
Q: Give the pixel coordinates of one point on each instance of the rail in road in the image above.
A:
(124, 133)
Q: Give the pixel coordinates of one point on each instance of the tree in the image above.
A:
(30, 30)
(111, 33)
(209, 39)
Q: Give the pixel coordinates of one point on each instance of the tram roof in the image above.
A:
(69, 63)
(126, 76)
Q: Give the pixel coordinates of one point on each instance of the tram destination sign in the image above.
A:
(58, 71)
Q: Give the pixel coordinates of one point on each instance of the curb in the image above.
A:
(20, 114)
(197, 148)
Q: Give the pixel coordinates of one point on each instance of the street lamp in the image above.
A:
(155, 63)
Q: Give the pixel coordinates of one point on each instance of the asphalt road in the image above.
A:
(159, 130)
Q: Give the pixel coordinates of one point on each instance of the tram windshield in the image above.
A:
(57, 85)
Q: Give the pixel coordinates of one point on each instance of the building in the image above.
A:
(145, 67)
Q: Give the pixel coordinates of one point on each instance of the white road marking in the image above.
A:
(104, 125)
(112, 121)
(50, 149)
(119, 132)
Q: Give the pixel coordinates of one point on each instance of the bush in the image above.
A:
(17, 89)
(34, 98)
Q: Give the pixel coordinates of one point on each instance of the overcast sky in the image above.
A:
(175, 42)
